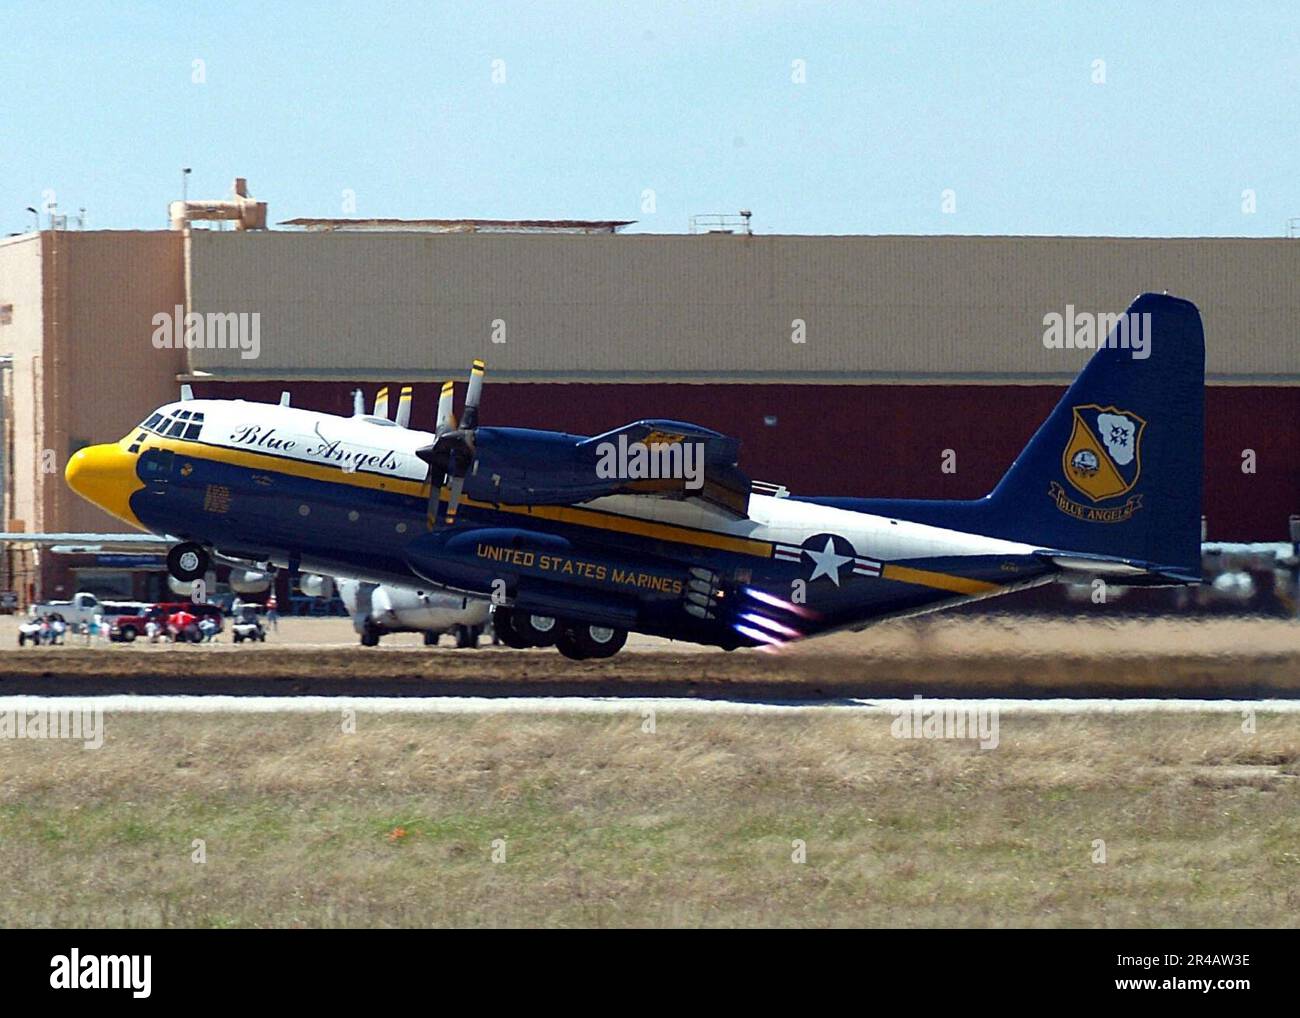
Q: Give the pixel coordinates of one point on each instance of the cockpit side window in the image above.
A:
(177, 428)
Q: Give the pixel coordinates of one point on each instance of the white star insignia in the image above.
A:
(827, 562)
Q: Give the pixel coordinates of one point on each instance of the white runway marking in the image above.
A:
(613, 705)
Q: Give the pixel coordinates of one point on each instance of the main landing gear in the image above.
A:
(188, 562)
(576, 640)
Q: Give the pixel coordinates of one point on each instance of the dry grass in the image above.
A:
(606, 825)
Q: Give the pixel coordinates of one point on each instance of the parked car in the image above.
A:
(126, 628)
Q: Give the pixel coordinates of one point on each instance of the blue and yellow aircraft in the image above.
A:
(653, 527)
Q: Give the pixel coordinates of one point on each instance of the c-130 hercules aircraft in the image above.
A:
(577, 554)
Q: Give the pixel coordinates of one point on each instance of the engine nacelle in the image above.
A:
(185, 588)
(315, 585)
(399, 609)
(249, 581)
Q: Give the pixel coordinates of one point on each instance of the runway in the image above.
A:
(578, 705)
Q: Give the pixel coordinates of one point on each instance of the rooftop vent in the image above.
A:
(723, 222)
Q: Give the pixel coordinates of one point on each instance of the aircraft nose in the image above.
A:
(105, 475)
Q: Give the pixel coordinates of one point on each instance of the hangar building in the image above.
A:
(862, 365)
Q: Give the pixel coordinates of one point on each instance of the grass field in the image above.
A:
(605, 824)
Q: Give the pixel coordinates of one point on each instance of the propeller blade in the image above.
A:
(453, 504)
(445, 422)
(358, 403)
(381, 402)
(469, 420)
(451, 456)
(404, 407)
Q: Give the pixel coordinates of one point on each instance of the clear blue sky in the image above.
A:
(602, 101)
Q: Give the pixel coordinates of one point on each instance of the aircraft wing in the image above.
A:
(651, 458)
(90, 543)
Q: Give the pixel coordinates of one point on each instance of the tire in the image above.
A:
(128, 634)
(237, 638)
(580, 641)
(22, 639)
(369, 638)
(503, 625)
(538, 630)
(188, 562)
(568, 645)
(430, 638)
(466, 638)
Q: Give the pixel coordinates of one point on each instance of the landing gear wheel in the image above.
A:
(467, 637)
(369, 638)
(580, 642)
(538, 630)
(503, 624)
(430, 638)
(188, 562)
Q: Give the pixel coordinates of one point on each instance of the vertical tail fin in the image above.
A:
(1116, 470)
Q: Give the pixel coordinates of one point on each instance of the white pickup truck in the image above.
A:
(83, 608)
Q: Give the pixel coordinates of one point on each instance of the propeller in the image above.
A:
(404, 407)
(451, 456)
(381, 403)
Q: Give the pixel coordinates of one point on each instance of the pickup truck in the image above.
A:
(82, 608)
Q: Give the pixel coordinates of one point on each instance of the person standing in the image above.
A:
(273, 613)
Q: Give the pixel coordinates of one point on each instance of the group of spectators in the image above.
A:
(173, 623)
(45, 630)
(180, 626)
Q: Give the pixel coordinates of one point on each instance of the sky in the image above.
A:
(1139, 119)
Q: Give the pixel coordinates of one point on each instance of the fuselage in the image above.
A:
(349, 497)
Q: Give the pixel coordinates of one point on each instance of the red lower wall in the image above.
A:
(880, 440)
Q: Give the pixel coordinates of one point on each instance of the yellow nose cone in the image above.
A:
(105, 475)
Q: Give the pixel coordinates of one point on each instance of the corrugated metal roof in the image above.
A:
(704, 308)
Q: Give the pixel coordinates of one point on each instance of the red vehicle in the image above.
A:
(126, 628)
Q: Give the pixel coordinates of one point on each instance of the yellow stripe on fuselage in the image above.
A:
(560, 514)
(939, 581)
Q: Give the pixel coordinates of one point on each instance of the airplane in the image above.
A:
(653, 527)
(378, 609)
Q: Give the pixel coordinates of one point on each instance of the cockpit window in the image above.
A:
(186, 424)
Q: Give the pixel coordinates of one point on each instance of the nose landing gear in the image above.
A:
(187, 562)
